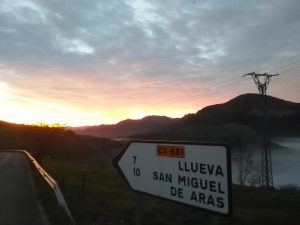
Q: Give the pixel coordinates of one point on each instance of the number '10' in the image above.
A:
(136, 172)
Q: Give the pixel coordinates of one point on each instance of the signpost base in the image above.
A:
(138, 212)
(215, 220)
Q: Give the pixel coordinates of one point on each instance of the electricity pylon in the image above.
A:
(262, 81)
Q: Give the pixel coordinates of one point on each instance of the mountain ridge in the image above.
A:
(236, 122)
(242, 113)
(126, 127)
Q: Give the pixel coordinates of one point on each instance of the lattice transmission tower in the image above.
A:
(262, 81)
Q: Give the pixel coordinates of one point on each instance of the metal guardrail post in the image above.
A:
(52, 183)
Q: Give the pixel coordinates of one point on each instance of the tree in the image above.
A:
(45, 137)
(245, 164)
(254, 179)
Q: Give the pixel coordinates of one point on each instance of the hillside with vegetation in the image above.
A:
(60, 143)
(236, 122)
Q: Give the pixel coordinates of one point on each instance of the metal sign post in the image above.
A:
(138, 211)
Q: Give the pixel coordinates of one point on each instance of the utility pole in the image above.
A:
(262, 81)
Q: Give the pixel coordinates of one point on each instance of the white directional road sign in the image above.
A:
(191, 173)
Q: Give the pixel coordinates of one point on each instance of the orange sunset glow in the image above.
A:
(80, 110)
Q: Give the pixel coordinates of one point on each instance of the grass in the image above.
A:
(93, 194)
(262, 206)
(46, 196)
(99, 196)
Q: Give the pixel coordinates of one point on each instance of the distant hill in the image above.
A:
(236, 122)
(126, 128)
(59, 143)
(283, 116)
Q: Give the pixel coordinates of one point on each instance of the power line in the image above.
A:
(277, 62)
(285, 65)
(227, 84)
(291, 69)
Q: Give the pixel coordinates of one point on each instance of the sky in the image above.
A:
(88, 62)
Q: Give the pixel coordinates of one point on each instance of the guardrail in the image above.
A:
(52, 183)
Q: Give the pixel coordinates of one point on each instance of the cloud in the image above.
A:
(132, 48)
(74, 46)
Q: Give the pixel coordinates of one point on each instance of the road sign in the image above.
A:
(191, 173)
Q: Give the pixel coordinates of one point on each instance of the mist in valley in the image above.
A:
(285, 163)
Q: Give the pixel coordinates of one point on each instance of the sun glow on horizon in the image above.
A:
(37, 116)
(25, 110)
(31, 108)
(53, 113)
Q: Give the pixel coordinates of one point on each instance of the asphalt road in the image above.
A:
(18, 200)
